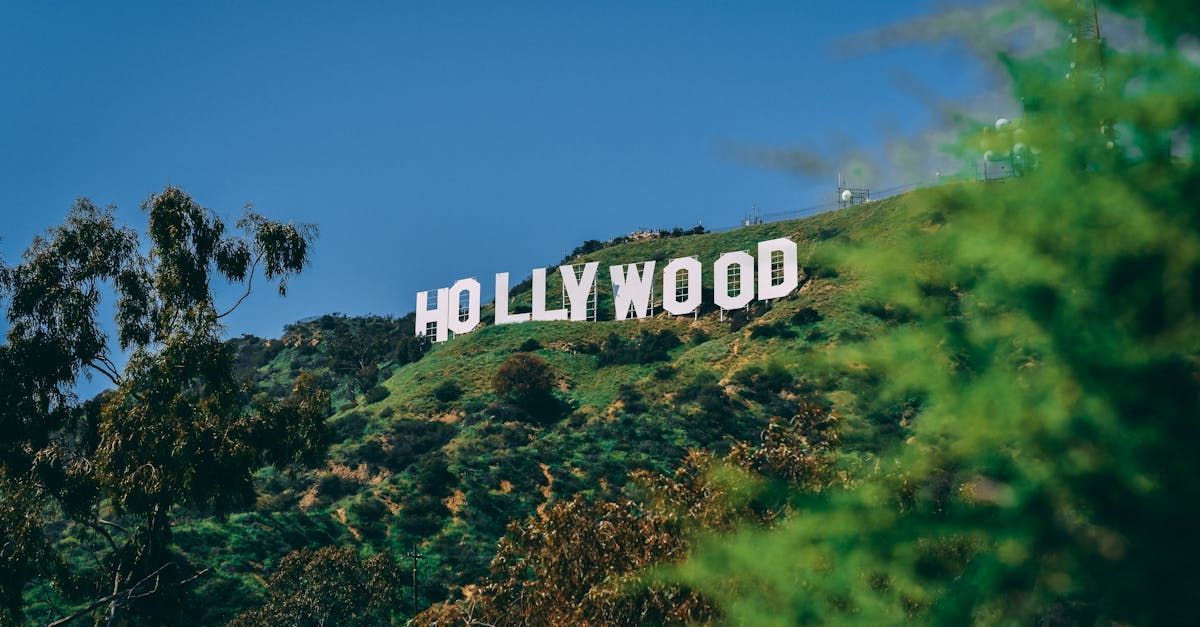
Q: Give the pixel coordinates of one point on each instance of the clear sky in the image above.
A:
(437, 140)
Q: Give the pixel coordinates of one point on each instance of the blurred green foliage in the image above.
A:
(1048, 473)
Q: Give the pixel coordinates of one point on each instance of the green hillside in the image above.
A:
(418, 462)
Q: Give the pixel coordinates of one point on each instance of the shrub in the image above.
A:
(368, 509)
(408, 441)
(334, 487)
(434, 476)
(648, 348)
(586, 347)
(527, 381)
(806, 316)
(632, 399)
(376, 394)
(529, 345)
(655, 346)
(523, 375)
(760, 384)
(616, 350)
(820, 271)
(887, 312)
(448, 391)
(705, 390)
(776, 329)
(423, 515)
(348, 427)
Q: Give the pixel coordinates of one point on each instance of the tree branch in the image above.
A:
(109, 363)
(104, 532)
(129, 593)
(249, 286)
(110, 375)
(112, 524)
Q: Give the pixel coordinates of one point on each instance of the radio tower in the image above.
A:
(1087, 56)
(1087, 44)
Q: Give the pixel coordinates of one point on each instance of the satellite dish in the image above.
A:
(847, 195)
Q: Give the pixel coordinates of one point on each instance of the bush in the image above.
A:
(760, 384)
(423, 516)
(616, 350)
(656, 346)
(529, 345)
(368, 509)
(887, 312)
(448, 391)
(776, 329)
(739, 318)
(333, 487)
(706, 391)
(528, 382)
(806, 316)
(409, 441)
(376, 394)
(648, 348)
(348, 427)
(632, 399)
(523, 375)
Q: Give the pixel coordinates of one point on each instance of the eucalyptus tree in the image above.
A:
(177, 429)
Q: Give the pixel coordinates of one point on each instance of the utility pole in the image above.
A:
(415, 555)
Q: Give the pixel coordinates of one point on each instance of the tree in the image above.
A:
(329, 586)
(577, 566)
(177, 430)
(528, 382)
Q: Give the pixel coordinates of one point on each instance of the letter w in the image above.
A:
(631, 289)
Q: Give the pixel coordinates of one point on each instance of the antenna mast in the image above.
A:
(1087, 42)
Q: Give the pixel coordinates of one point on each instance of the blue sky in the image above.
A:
(434, 141)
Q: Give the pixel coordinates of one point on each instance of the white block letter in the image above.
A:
(632, 289)
(502, 315)
(770, 283)
(745, 280)
(579, 289)
(457, 323)
(690, 266)
(437, 316)
(539, 299)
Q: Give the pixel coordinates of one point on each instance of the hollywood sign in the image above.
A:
(734, 287)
